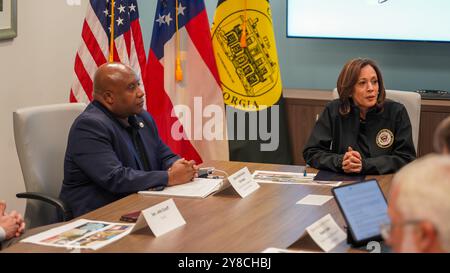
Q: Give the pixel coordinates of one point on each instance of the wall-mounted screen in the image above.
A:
(416, 20)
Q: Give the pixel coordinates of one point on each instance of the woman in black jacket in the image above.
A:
(361, 132)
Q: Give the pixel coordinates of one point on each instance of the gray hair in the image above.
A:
(424, 193)
(442, 136)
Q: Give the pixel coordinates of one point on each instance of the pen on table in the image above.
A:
(304, 172)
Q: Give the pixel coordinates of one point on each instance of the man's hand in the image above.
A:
(182, 171)
(352, 161)
(19, 221)
(7, 222)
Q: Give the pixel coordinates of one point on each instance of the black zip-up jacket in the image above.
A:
(384, 140)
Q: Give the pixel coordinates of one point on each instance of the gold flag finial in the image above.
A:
(244, 27)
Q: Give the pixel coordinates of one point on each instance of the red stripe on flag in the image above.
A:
(72, 97)
(92, 45)
(198, 29)
(139, 44)
(83, 77)
(116, 57)
(160, 106)
(127, 37)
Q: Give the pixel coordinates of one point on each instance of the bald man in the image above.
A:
(114, 148)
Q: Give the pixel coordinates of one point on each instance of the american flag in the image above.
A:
(200, 80)
(95, 45)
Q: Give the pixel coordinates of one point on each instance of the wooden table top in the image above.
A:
(223, 222)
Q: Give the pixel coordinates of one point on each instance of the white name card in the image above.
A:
(243, 182)
(326, 233)
(314, 200)
(161, 218)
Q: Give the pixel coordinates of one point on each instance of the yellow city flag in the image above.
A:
(246, 54)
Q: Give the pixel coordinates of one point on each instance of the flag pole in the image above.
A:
(111, 40)
(178, 70)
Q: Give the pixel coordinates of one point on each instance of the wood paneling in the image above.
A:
(428, 124)
(301, 119)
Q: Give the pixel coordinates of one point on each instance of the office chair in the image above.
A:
(411, 101)
(41, 135)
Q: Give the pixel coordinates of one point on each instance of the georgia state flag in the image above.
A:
(196, 127)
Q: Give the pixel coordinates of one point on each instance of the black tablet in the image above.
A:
(364, 208)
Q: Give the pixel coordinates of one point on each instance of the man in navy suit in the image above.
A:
(114, 148)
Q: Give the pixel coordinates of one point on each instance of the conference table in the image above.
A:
(224, 222)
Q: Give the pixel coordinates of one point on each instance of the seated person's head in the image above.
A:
(419, 206)
(442, 137)
(116, 86)
(361, 80)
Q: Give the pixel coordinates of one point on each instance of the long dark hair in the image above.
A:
(349, 77)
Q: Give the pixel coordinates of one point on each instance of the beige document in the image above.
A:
(199, 188)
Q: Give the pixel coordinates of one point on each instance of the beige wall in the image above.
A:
(35, 69)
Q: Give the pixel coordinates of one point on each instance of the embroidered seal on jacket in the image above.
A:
(385, 138)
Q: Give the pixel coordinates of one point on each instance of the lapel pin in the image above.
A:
(141, 124)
